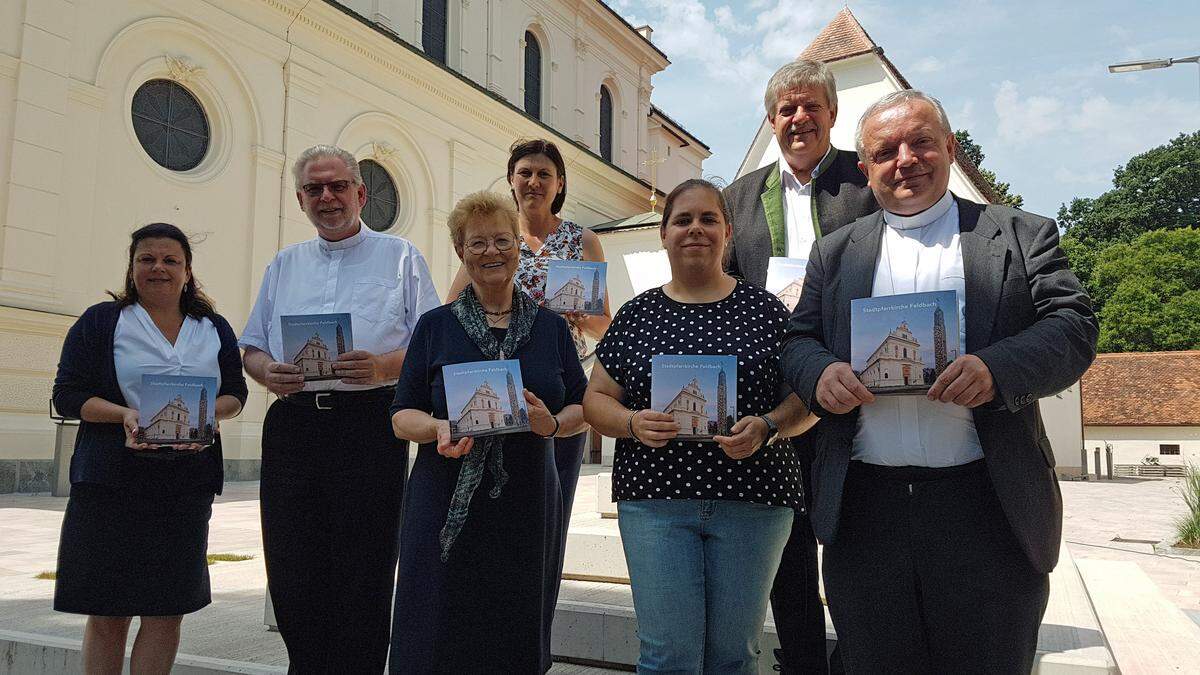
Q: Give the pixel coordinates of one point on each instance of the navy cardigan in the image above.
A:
(87, 368)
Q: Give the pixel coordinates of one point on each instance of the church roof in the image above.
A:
(1143, 389)
(844, 38)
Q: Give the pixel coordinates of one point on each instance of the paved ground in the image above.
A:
(231, 628)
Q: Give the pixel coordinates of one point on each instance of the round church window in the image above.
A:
(170, 124)
(382, 201)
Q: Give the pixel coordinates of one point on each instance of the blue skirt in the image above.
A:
(131, 554)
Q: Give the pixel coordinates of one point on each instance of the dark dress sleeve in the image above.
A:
(233, 380)
(574, 380)
(79, 366)
(413, 387)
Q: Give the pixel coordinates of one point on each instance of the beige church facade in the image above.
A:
(433, 99)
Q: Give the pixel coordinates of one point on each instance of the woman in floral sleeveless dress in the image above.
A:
(538, 181)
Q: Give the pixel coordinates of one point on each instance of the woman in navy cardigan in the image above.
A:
(135, 532)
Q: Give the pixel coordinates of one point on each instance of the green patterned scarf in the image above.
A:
(488, 451)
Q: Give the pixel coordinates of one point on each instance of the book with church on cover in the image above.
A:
(699, 391)
(900, 344)
(177, 410)
(576, 286)
(485, 398)
(785, 278)
(315, 341)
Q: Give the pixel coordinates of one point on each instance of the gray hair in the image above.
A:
(895, 100)
(799, 74)
(321, 152)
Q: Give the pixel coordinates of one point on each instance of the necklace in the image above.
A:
(503, 313)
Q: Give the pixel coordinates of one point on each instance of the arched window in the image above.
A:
(606, 123)
(170, 124)
(382, 202)
(533, 76)
(434, 15)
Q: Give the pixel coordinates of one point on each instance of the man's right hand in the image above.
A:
(284, 378)
(839, 390)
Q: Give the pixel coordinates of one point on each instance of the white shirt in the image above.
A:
(797, 209)
(919, 253)
(381, 280)
(139, 348)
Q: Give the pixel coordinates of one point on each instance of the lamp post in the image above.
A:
(1151, 64)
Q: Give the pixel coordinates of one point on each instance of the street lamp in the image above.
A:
(1151, 64)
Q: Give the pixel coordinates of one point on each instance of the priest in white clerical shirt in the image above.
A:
(940, 512)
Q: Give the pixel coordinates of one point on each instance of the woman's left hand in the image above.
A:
(575, 318)
(746, 437)
(541, 421)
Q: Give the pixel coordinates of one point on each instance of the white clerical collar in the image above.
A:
(929, 215)
(343, 244)
(786, 169)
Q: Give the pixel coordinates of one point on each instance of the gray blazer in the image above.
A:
(840, 194)
(1028, 318)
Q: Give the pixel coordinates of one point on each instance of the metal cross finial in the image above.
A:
(652, 164)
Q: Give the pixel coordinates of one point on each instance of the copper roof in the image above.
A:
(843, 38)
(1143, 389)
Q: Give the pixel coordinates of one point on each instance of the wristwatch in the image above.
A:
(772, 429)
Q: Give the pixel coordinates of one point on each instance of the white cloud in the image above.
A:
(1024, 120)
(727, 21)
(1076, 176)
(927, 64)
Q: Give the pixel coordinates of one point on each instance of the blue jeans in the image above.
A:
(701, 573)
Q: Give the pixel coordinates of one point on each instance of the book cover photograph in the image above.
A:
(785, 278)
(700, 392)
(485, 398)
(576, 286)
(899, 344)
(177, 410)
(314, 342)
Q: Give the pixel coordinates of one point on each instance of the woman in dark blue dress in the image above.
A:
(481, 516)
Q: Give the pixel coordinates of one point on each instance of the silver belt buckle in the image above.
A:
(317, 400)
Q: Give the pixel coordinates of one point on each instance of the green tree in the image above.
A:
(975, 153)
(1148, 292)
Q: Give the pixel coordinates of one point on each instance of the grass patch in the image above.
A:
(1187, 526)
(47, 575)
(227, 557)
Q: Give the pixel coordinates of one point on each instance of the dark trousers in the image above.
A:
(796, 594)
(331, 487)
(568, 457)
(925, 576)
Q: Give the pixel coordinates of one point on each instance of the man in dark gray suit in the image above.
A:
(940, 513)
(780, 210)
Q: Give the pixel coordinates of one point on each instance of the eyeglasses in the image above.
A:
(480, 246)
(315, 190)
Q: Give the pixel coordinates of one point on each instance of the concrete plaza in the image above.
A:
(1101, 519)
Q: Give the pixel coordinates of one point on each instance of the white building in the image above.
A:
(172, 422)
(313, 358)
(896, 362)
(1145, 407)
(687, 408)
(482, 412)
(790, 294)
(569, 297)
(117, 113)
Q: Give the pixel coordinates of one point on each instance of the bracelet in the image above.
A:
(554, 433)
(629, 423)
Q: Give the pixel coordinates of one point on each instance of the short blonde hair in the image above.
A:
(481, 205)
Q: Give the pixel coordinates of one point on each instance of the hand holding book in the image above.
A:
(745, 438)
(839, 390)
(653, 428)
(449, 448)
(966, 382)
(541, 420)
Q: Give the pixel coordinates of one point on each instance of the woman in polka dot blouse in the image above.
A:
(703, 524)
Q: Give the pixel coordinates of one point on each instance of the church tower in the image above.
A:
(722, 403)
(341, 340)
(202, 420)
(518, 415)
(594, 301)
(939, 341)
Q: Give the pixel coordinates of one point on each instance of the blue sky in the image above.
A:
(1028, 79)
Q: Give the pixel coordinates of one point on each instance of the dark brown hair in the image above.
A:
(698, 184)
(539, 146)
(192, 302)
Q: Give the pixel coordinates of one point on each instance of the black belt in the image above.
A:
(333, 400)
(916, 474)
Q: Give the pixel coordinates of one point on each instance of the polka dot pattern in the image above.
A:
(749, 324)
